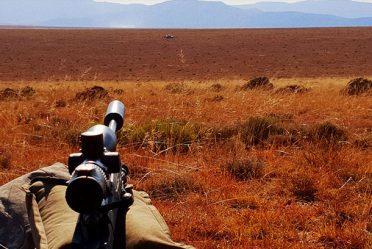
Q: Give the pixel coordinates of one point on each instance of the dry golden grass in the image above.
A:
(307, 191)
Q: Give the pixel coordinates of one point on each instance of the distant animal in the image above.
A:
(169, 36)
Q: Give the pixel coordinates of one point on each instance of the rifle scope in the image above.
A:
(88, 188)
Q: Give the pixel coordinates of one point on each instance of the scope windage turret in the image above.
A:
(89, 169)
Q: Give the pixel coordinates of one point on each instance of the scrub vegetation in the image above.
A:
(259, 168)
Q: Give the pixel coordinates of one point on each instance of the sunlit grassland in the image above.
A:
(227, 168)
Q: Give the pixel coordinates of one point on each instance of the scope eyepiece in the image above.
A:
(87, 188)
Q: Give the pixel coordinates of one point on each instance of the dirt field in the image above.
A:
(143, 55)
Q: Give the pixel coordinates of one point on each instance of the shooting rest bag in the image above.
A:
(39, 216)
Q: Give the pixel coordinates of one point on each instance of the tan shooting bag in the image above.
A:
(34, 214)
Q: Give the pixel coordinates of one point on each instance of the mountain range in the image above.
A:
(185, 14)
(341, 8)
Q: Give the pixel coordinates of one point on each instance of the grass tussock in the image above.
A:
(172, 187)
(92, 94)
(327, 133)
(358, 86)
(27, 91)
(304, 188)
(292, 89)
(217, 87)
(17, 94)
(245, 169)
(272, 130)
(216, 98)
(60, 103)
(138, 167)
(178, 88)
(164, 135)
(5, 159)
(55, 128)
(257, 130)
(262, 83)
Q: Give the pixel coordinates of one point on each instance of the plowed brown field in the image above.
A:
(46, 54)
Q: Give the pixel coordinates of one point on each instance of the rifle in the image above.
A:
(97, 188)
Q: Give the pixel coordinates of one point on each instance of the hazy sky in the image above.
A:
(226, 1)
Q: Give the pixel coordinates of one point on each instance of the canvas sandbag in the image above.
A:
(53, 222)
(15, 230)
(34, 214)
